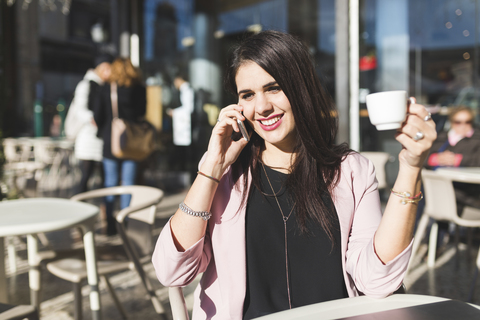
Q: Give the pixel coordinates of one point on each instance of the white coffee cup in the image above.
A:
(387, 110)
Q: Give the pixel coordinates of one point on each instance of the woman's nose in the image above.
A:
(262, 105)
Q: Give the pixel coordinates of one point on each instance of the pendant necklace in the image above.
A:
(285, 219)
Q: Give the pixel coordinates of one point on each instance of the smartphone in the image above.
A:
(243, 132)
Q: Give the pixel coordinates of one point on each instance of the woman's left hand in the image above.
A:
(416, 136)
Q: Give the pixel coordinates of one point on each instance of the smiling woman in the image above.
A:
(288, 218)
(266, 108)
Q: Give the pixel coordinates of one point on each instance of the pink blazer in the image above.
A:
(220, 255)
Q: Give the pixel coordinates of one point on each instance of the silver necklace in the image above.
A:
(285, 219)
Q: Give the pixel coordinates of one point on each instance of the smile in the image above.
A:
(271, 123)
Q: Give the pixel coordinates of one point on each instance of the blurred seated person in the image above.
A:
(459, 147)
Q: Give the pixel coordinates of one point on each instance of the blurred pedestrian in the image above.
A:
(182, 123)
(182, 126)
(79, 123)
(131, 106)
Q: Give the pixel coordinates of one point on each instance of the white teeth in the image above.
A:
(270, 121)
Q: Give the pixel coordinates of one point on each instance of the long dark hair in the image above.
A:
(316, 168)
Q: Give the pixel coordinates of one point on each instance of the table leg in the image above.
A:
(3, 276)
(92, 274)
(12, 255)
(34, 272)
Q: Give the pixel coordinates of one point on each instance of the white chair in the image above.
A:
(379, 160)
(19, 167)
(177, 303)
(18, 312)
(440, 205)
(135, 226)
(17, 149)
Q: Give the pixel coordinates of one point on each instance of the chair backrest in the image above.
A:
(10, 150)
(137, 237)
(141, 204)
(17, 149)
(44, 150)
(440, 201)
(379, 160)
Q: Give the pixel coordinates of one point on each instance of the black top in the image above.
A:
(132, 105)
(315, 269)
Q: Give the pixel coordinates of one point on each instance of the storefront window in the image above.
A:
(428, 47)
(194, 38)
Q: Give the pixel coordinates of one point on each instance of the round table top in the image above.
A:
(351, 307)
(35, 215)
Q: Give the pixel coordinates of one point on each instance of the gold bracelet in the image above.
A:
(209, 177)
(407, 197)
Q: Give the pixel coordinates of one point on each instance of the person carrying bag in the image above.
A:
(130, 139)
(119, 110)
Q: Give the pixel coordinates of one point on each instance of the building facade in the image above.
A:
(427, 47)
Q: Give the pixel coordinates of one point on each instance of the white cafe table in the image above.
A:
(352, 307)
(36, 215)
(461, 174)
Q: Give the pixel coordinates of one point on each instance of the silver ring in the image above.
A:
(428, 117)
(218, 119)
(419, 136)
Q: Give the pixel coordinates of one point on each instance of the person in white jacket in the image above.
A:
(80, 125)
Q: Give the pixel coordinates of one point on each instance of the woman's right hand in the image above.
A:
(222, 149)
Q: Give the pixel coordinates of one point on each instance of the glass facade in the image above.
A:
(195, 37)
(180, 34)
(427, 47)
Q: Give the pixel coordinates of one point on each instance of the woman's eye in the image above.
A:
(274, 89)
(247, 96)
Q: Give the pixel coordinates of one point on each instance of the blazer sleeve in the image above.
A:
(78, 114)
(177, 269)
(370, 275)
(174, 268)
(99, 105)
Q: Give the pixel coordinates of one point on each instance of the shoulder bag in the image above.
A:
(133, 140)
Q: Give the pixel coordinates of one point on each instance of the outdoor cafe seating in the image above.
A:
(134, 225)
(441, 206)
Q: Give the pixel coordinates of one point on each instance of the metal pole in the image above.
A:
(418, 74)
(341, 69)
(354, 75)
(475, 59)
(38, 118)
(134, 38)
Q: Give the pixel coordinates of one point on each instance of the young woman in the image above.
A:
(131, 106)
(289, 218)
